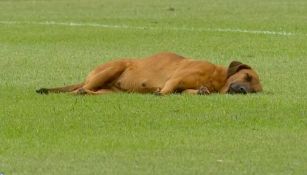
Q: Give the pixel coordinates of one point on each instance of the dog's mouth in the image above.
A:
(237, 89)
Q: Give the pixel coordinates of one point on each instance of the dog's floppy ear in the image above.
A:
(235, 66)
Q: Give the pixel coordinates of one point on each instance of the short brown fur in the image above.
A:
(163, 74)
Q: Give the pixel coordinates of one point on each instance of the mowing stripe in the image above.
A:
(191, 29)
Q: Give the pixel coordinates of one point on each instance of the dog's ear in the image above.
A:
(235, 66)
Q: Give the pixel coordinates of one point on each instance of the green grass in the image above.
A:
(144, 134)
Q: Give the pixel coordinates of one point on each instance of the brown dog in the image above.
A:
(165, 73)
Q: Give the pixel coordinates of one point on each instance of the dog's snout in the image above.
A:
(237, 88)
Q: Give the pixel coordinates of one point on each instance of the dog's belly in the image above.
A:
(141, 81)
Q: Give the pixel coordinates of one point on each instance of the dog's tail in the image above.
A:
(64, 89)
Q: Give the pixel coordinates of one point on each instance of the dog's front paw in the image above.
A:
(203, 91)
(42, 91)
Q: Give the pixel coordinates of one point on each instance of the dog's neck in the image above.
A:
(220, 79)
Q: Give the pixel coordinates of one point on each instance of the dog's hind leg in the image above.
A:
(100, 77)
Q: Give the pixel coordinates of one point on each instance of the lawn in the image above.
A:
(57, 42)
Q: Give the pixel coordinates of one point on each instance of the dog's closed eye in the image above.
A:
(248, 78)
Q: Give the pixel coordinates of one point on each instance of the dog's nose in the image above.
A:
(242, 90)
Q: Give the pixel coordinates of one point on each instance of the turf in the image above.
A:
(144, 134)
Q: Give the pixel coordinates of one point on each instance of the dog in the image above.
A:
(163, 74)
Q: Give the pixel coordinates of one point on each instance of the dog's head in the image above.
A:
(241, 79)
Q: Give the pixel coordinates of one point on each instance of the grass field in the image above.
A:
(54, 43)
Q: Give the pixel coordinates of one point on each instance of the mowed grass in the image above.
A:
(262, 133)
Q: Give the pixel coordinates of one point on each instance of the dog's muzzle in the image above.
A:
(237, 89)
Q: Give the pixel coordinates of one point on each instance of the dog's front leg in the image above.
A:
(200, 91)
(169, 87)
